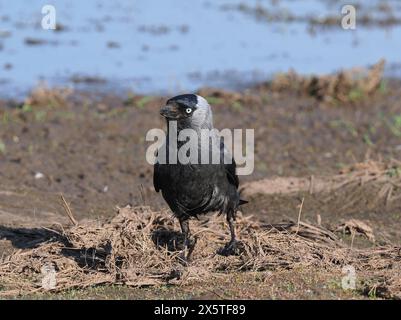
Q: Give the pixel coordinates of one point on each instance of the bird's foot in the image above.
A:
(185, 256)
(183, 259)
(233, 248)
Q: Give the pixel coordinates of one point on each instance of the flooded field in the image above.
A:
(170, 46)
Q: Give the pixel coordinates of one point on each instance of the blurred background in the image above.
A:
(161, 47)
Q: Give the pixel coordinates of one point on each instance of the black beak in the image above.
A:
(169, 112)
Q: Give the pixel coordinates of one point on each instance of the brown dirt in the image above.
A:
(90, 148)
(367, 191)
(365, 18)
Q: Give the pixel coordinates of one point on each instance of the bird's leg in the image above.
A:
(189, 242)
(231, 225)
(233, 247)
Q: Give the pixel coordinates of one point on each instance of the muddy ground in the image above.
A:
(90, 147)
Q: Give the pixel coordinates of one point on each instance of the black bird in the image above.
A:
(193, 188)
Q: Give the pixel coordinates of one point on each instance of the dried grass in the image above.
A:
(384, 179)
(42, 95)
(346, 86)
(356, 227)
(138, 247)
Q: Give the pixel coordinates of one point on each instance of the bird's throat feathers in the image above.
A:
(181, 134)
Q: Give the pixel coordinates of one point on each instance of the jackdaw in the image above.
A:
(194, 188)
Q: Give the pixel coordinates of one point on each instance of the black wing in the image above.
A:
(156, 177)
(229, 167)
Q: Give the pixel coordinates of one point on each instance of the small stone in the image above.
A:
(39, 175)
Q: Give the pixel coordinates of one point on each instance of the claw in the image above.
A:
(185, 257)
(233, 248)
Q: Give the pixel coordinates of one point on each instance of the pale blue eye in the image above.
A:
(189, 110)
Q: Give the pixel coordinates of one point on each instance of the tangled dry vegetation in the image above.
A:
(139, 247)
(347, 86)
(384, 179)
(45, 96)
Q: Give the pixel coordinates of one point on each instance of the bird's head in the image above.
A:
(189, 110)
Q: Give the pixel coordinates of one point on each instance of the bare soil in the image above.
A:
(90, 147)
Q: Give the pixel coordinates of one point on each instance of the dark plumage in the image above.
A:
(193, 189)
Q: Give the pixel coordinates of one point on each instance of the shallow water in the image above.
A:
(178, 45)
